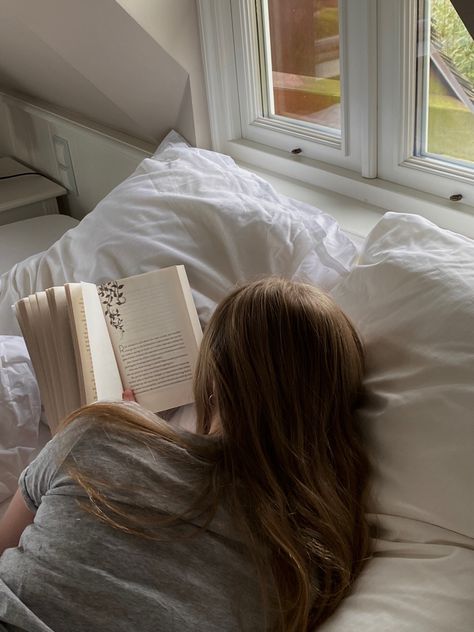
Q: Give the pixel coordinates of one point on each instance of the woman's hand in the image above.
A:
(128, 395)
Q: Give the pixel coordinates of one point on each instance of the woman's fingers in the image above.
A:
(128, 395)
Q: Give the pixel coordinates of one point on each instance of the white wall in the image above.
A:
(136, 68)
(111, 77)
(101, 158)
(174, 24)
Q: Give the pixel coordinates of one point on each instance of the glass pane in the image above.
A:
(304, 52)
(448, 101)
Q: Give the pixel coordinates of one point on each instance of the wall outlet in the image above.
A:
(64, 163)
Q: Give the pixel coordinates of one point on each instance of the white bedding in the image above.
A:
(424, 586)
(191, 206)
(411, 297)
(183, 205)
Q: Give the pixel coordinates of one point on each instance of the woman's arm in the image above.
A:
(16, 519)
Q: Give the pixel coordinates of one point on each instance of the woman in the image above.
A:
(254, 522)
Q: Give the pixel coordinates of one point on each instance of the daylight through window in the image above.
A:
(302, 45)
(446, 88)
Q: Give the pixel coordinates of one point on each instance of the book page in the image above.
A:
(153, 329)
(80, 336)
(64, 348)
(26, 312)
(107, 377)
(47, 342)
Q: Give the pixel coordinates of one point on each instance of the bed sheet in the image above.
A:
(410, 587)
(194, 207)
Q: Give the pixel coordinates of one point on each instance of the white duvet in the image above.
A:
(193, 207)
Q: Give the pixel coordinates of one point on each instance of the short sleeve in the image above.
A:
(38, 477)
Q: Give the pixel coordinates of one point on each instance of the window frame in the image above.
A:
(375, 164)
(236, 18)
(252, 86)
(398, 113)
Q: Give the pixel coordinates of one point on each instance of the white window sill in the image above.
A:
(358, 216)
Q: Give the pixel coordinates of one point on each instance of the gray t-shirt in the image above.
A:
(71, 572)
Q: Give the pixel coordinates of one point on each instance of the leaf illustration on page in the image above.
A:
(111, 296)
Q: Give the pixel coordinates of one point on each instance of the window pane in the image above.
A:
(447, 127)
(304, 52)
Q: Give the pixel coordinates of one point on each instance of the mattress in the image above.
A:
(20, 240)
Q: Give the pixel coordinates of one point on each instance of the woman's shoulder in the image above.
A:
(127, 456)
(102, 417)
(127, 426)
(159, 468)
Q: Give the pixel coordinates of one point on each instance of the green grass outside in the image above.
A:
(327, 22)
(450, 123)
(450, 128)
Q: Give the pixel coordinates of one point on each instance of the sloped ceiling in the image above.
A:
(92, 58)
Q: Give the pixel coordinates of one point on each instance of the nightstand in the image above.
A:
(25, 196)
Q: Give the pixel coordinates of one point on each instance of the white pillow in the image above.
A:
(412, 298)
(20, 410)
(191, 206)
(410, 587)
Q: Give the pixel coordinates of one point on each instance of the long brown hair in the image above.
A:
(280, 374)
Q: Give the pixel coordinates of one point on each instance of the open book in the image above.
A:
(89, 342)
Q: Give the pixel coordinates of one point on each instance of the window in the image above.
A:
(446, 84)
(353, 95)
(417, 129)
(300, 42)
